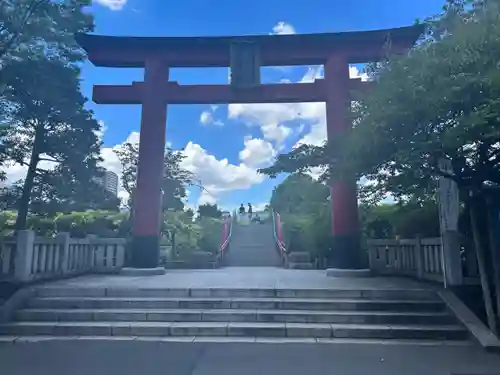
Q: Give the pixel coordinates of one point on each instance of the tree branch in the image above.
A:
(25, 18)
(51, 160)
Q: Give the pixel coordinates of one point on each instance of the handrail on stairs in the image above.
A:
(278, 234)
(227, 231)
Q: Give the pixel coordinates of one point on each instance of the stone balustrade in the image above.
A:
(422, 258)
(26, 257)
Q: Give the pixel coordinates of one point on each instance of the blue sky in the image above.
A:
(225, 144)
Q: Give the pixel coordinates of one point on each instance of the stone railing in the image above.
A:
(28, 258)
(226, 233)
(278, 236)
(421, 258)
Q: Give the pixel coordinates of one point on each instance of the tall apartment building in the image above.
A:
(110, 181)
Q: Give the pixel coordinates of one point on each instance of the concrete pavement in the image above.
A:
(96, 357)
(240, 277)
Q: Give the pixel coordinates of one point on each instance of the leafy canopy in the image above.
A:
(440, 101)
(175, 178)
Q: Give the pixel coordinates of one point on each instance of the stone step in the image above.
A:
(235, 303)
(300, 265)
(386, 294)
(282, 316)
(234, 329)
(299, 257)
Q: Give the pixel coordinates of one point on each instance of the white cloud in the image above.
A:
(112, 4)
(257, 152)
(206, 198)
(100, 133)
(207, 118)
(218, 176)
(274, 118)
(354, 72)
(15, 171)
(257, 207)
(283, 28)
(316, 136)
(271, 117)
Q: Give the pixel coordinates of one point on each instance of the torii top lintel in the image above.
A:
(275, 50)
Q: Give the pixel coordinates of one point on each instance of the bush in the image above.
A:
(404, 220)
(7, 221)
(210, 234)
(308, 232)
(201, 235)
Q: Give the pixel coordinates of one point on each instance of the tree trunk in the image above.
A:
(475, 214)
(24, 201)
(494, 249)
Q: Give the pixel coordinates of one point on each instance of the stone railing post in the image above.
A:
(63, 238)
(452, 264)
(91, 238)
(420, 258)
(372, 255)
(24, 255)
(120, 254)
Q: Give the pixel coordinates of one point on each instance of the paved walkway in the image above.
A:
(241, 277)
(84, 357)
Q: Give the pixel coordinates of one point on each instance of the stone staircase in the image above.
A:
(253, 245)
(299, 261)
(183, 314)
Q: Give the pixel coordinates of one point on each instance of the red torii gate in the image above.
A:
(156, 54)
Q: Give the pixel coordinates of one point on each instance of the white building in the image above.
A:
(110, 182)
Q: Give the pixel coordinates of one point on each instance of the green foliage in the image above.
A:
(175, 178)
(208, 210)
(28, 26)
(441, 101)
(50, 132)
(305, 212)
(211, 229)
(78, 224)
(100, 223)
(299, 193)
(7, 221)
(45, 126)
(201, 235)
(406, 220)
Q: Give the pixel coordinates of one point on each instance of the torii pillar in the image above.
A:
(147, 211)
(346, 248)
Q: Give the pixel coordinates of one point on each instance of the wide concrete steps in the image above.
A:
(237, 329)
(234, 303)
(356, 314)
(233, 315)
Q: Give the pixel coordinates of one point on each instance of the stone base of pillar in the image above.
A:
(346, 253)
(145, 251)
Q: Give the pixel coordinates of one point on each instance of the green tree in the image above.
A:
(64, 190)
(209, 210)
(28, 26)
(48, 125)
(439, 102)
(175, 178)
(299, 193)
